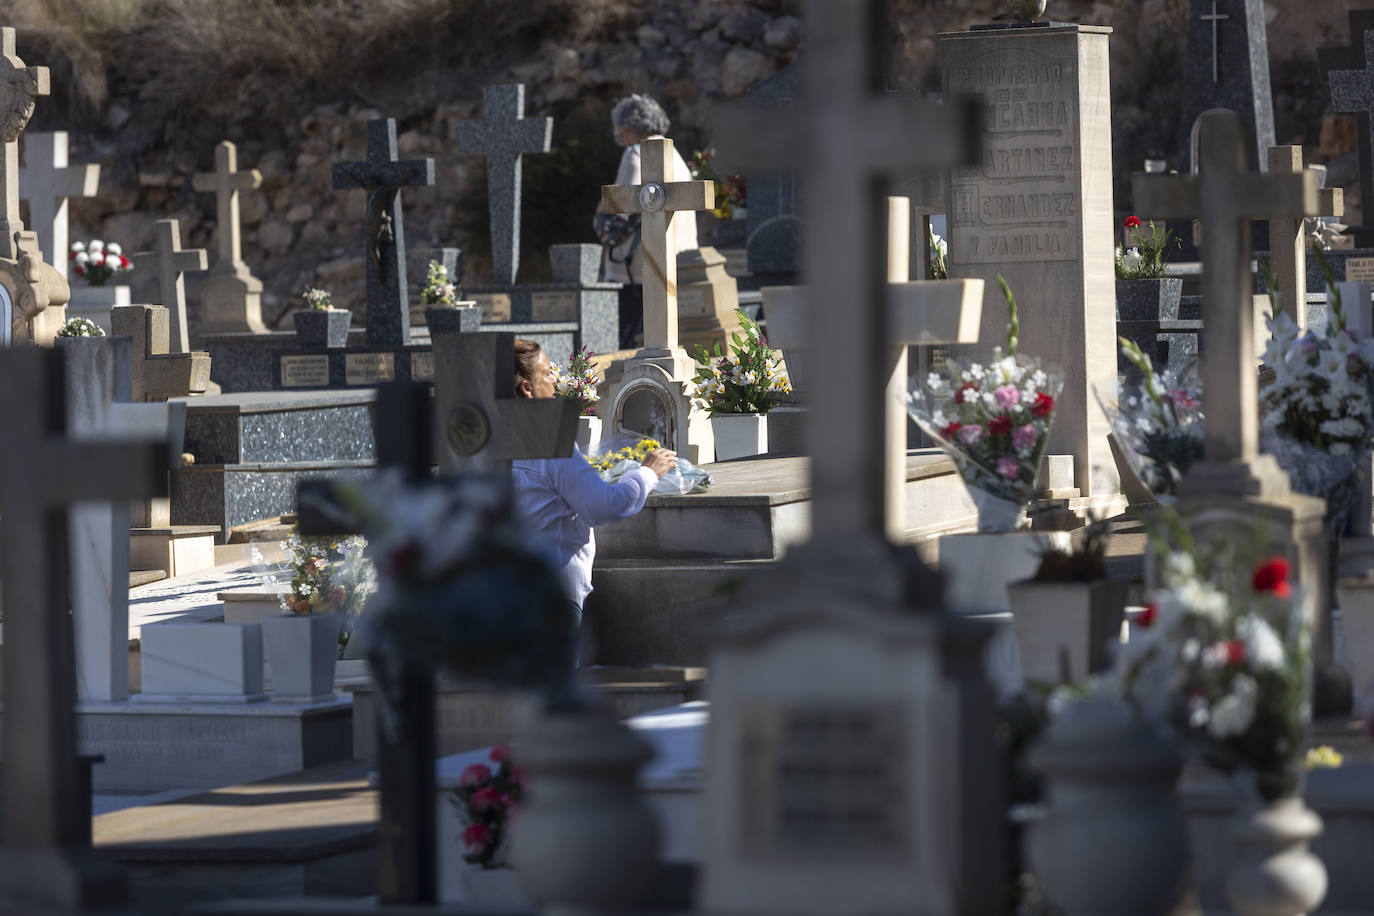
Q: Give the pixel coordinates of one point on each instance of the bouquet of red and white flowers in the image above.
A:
(98, 261)
(485, 798)
(993, 420)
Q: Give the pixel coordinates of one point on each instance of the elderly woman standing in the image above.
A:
(634, 119)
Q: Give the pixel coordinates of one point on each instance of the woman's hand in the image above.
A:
(661, 461)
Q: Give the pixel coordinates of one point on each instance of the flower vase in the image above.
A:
(322, 328)
(303, 650)
(996, 514)
(1273, 873)
(739, 435)
(1113, 838)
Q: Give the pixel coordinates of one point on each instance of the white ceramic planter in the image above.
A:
(1113, 838)
(1079, 620)
(303, 650)
(979, 567)
(739, 435)
(1273, 872)
(1355, 597)
(588, 434)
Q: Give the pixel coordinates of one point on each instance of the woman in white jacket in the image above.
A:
(636, 118)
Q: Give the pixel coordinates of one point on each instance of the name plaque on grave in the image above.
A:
(553, 306)
(369, 368)
(305, 371)
(825, 781)
(691, 301)
(422, 367)
(1359, 270)
(1020, 203)
(495, 306)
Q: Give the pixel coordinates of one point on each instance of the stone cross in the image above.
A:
(158, 374)
(383, 176)
(226, 181)
(1288, 236)
(20, 87)
(504, 135)
(657, 200)
(1350, 72)
(231, 297)
(1227, 197)
(42, 868)
(46, 181)
(172, 262)
(1227, 66)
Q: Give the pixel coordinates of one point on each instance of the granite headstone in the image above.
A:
(1228, 67)
(1350, 72)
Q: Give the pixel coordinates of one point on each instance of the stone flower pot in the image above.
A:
(1148, 299)
(1076, 620)
(739, 435)
(1273, 872)
(1113, 838)
(588, 434)
(320, 328)
(303, 650)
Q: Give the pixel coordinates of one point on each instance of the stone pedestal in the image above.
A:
(230, 301)
(1037, 209)
(706, 299)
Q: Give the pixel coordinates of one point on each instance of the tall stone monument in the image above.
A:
(1037, 209)
(1228, 67)
(231, 297)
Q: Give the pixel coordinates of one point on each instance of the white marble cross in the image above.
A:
(20, 86)
(46, 181)
(1227, 197)
(1288, 236)
(172, 262)
(226, 181)
(657, 201)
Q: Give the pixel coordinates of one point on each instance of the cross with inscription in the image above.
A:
(1288, 236)
(42, 867)
(226, 181)
(46, 181)
(504, 135)
(1215, 18)
(657, 201)
(1227, 197)
(172, 262)
(1350, 73)
(20, 87)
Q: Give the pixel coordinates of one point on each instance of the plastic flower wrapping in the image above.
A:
(486, 795)
(578, 380)
(993, 420)
(1160, 421)
(1220, 655)
(747, 379)
(613, 463)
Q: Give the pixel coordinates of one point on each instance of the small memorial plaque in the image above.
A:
(691, 301)
(369, 368)
(555, 306)
(495, 306)
(1359, 270)
(825, 781)
(422, 367)
(305, 371)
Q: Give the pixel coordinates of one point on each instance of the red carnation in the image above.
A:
(123, 262)
(1147, 616)
(1272, 576)
(1043, 406)
(949, 431)
(999, 426)
(1132, 222)
(475, 835)
(500, 753)
(1235, 651)
(960, 394)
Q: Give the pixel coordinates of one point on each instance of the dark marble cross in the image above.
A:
(42, 863)
(383, 177)
(1350, 72)
(504, 135)
(1227, 66)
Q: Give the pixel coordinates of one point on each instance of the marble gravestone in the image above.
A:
(845, 663)
(1228, 67)
(171, 263)
(231, 297)
(1350, 72)
(46, 181)
(1037, 209)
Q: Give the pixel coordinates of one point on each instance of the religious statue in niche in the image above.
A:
(647, 413)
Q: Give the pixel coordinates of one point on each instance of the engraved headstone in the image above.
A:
(46, 181)
(1350, 72)
(1037, 209)
(46, 863)
(503, 136)
(1228, 67)
(171, 263)
(231, 297)
(383, 176)
(785, 828)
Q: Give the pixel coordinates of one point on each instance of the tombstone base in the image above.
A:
(230, 303)
(56, 880)
(653, 399)
(1255, 477)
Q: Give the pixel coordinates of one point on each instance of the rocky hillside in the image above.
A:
(147, 87)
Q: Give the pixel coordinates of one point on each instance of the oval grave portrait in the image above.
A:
(647, 410)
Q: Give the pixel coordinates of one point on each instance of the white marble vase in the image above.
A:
(303, 650)
(740, 435)
(1273, 871)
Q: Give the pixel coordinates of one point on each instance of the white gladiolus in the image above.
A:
(1263, 648)
(1133, 259)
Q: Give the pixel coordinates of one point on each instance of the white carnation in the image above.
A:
(1235, 712)
(1263, 648)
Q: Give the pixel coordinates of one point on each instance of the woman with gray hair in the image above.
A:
(636, 118)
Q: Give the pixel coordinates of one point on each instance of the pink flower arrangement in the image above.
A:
(485, 798)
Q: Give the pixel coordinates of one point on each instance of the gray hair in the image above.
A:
(640, 113)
